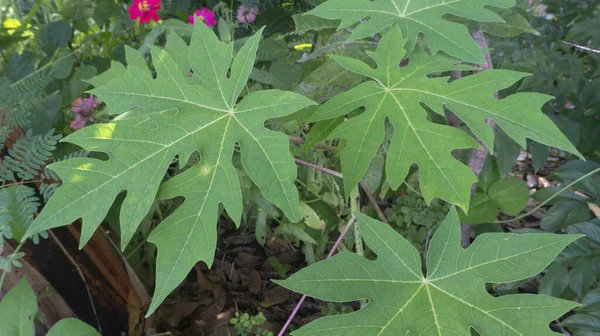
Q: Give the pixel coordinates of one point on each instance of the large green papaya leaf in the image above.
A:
(450, 299)
(398, 95)
(176, 114)
(417, 17)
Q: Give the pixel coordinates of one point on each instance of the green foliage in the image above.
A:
(245, 324)
(514, 24)
(24, 98)
(450, 299)
(18, 99)
(26, 159)
(28, 156)
(18, 208)
(333, 308)
(189, 136)
(575, 273)
(79, 12)
(570, 207)
(10, 261)
(508, 194)
(570, 74)
(416, 221)
(417, 17)
(396, 94)
(54, 36)
(281, 269)
(7, 261)
(18, 311)
(171, 116)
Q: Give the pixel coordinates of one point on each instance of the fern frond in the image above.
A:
(18, 99)
(36, 81)
(15, 109)
(23, 91)
(47, 190)
(28, 204)
(74, 155)
(5, 215)
(18, 206)
(29, 155)
(4, 132)
(17, 117)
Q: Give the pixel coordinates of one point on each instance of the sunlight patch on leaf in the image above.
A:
(173, 116)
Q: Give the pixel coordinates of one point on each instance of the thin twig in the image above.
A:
(331, 252)
(74, 263)
(373, 202)
(317, 167)
(581, 47)
(363, 186)
(562, 330)
(301, 141)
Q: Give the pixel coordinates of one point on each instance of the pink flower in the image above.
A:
(84, 110)
(245, 15)
(145, 10)
(206, 15)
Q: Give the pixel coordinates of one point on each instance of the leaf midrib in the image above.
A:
(435, 317)
(217, 77)
(200, 211)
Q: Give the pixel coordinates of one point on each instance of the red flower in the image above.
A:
(206, 15)
(145, 10)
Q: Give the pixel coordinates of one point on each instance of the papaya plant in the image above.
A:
(450, 298)
(201, 115)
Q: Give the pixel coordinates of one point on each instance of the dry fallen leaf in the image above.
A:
(251, 279)
(595, 209)
(203, 282)
(274, 296)
(247, 260)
